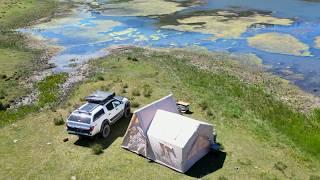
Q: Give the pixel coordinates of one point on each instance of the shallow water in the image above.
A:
(92, 27)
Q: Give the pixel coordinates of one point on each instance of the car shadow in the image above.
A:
(210, 163)
(117, 130)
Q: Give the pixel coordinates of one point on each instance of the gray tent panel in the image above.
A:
(135, 138)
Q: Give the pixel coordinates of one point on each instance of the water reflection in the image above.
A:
(223, 25)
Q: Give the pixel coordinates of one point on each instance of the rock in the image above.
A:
(73, 178)
(65, 139)
(15, 141)
(50, 66)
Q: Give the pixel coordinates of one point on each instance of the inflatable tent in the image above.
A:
(159, 133)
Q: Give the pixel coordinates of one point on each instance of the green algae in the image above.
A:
(279, 43)
(221, 26)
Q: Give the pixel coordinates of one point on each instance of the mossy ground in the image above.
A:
(17, 60)
(49, 97)
(257, 131)
(19, 13)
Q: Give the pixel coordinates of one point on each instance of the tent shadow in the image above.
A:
(117, 130)
(210, 163)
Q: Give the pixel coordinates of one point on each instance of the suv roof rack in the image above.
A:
(100, 97)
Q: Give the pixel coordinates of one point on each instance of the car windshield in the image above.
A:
(80, 118)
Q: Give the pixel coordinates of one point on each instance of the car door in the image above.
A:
(118, 108)
(111, 115)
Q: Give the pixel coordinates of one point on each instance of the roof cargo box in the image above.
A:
(100, 97)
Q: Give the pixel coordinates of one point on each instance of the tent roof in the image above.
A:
(173, 128)
(146, 113)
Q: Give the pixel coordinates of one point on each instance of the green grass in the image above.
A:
(49, 89)
(10, 116)
(15, 65)
(58, 121)
(17, 61)
(18, 13)
(97, 149)
(256, 148)
(49, 95)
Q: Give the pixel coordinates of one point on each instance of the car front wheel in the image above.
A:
(127, 113)
(105, 131)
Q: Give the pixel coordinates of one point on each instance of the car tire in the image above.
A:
(81, 137)
(127, 113)
(105, 131)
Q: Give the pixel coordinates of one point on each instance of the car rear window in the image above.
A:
(80, 118)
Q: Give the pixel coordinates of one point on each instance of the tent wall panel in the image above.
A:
(200, 154)
(135, 139)
(159, 133)
(166, 153)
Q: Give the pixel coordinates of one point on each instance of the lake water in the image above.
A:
(93, 26)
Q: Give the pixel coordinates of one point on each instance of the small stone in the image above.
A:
(49, 143)
(73, 178)
(65, 139)
(14, 141)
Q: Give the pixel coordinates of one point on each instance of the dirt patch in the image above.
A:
(44, 69)
(77, 76)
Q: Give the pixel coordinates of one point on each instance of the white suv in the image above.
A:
(101, 110)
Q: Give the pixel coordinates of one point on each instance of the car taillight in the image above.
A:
(91, 128)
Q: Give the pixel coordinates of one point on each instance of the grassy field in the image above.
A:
(19, 13)
(17, 61)
(263, 138)
(49, 97)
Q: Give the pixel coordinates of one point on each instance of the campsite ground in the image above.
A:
(266, 126)
(254, 146)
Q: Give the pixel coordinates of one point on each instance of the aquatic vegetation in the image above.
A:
(141, 8)
(154, 37)
(128, 32)
(221, 26)
(279, 43)
(73, 27)
(317, 42)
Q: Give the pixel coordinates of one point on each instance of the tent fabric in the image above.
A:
(135, 138)
(178, 141)
(146, 113)
(159, 133)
